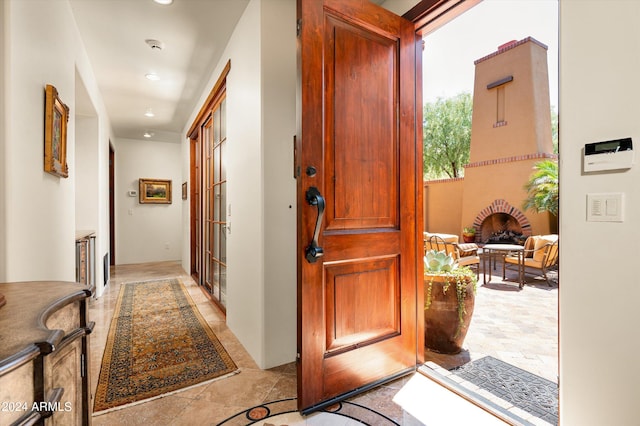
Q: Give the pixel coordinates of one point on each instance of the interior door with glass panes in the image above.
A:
(214, 209)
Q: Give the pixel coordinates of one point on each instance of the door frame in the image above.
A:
(429, 15)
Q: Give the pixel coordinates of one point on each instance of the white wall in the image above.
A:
(86, 208)
(599, 289)
(261, 308)
(87, 160)
(147, 232)
(43, 47)
(245, 285)
(278, 35)
(86, 196)
(97, 148)
(40, 206)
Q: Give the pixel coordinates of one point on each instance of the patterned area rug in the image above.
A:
(284, 413)
(534, 394)
(158, 344)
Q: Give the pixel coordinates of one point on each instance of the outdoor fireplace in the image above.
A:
(501, 228)
(501, 223)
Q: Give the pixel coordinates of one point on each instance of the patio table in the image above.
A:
(490, 251)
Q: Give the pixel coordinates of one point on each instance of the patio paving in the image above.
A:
(517, 326)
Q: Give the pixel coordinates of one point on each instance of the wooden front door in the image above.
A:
(358, 168)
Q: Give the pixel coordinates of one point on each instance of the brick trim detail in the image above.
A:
(445, 180)
(502, 206)
(509, 46)
(535, 156)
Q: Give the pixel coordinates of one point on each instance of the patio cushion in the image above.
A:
(529, 245)
(468, 260)
(541, 241)
(530, 262)
(448, 238)
(468, 249)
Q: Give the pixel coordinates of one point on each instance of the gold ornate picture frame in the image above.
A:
(154, 191)
(56, 117)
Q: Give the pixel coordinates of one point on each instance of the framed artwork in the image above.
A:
(155, 191)
(184, 191)
(56, 116)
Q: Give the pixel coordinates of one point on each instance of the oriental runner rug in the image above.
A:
(158, 344)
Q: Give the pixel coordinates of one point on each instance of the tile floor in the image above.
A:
(519, 327)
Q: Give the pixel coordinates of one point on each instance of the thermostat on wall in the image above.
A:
(608, 155)
(132, 193)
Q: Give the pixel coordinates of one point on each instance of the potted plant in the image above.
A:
(469, 234)
(449, 299)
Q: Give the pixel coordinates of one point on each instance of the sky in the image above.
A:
(451, 50)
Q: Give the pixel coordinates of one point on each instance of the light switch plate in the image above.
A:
(605, 207)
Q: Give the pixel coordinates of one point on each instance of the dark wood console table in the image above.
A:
(44, 353)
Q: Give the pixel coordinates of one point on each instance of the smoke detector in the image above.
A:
(154, 44)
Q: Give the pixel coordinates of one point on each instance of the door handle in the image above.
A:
(313, 251)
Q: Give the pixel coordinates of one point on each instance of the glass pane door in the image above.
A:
(214, 203)
(207, 234)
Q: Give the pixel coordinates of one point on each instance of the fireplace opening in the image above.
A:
(501, 228)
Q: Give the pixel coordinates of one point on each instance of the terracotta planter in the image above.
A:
(469, 238)
(443, 331)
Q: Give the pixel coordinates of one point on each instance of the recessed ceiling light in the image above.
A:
(148, 134)
(152, 76)
(163, 2)
(149, 113)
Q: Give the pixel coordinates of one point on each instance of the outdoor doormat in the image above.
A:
(285, 412)
(533, 394)
(158, 344)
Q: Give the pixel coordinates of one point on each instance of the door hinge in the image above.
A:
(298, 27)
